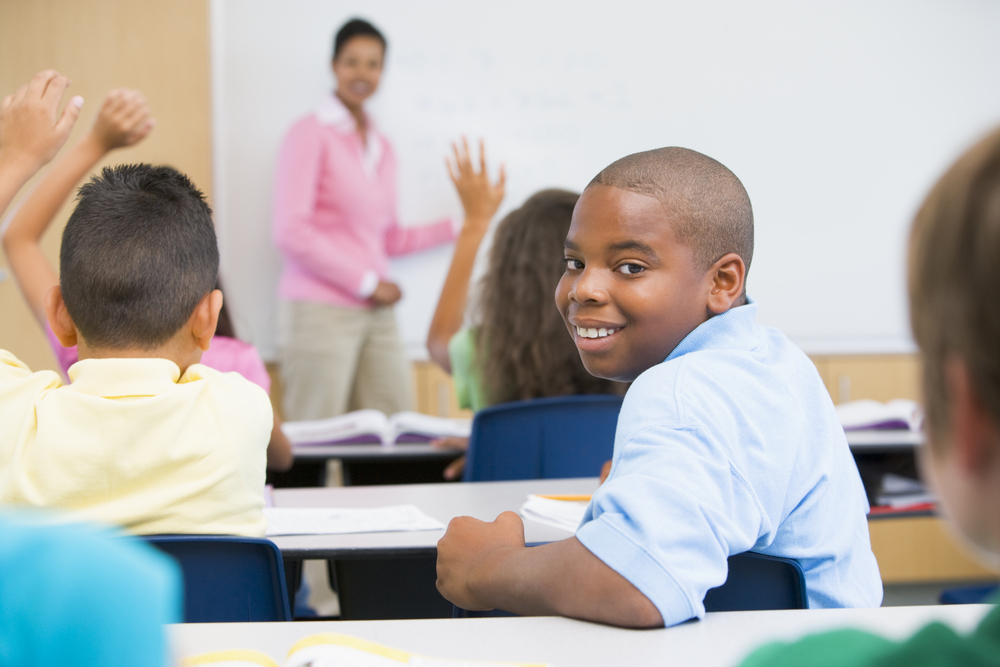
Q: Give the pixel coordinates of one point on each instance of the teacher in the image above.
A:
(335, 224)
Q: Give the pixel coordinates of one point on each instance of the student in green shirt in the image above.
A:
(518, 347)
(954, 271)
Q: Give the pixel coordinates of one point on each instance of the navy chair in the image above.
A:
(755, 582)
(544, 438)
(969, 594)
(228, 579)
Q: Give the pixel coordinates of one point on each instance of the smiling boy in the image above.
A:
(727, 440)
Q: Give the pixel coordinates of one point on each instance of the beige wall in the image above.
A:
(159, 47)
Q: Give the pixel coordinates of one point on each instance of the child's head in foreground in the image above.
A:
(525, 351)
(954, 270)
(138, 264)
(660, 242)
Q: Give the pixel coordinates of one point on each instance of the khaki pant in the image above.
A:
(336, 359)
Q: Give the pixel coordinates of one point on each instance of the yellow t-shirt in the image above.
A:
(130, 442)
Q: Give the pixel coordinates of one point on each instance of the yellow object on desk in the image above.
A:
(329, 649)
(568, 498)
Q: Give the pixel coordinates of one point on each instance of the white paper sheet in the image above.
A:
(565, 514)
(341, 520)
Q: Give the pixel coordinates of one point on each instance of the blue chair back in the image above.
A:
(544, 438)
(978, 594)
(758, 582)
(755, 582)
(228, 579)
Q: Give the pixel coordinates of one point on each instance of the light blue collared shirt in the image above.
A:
(732, 444)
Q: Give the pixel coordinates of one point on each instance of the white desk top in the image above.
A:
(882, 440)
(722, 639)
(409, 450)
(483, 500)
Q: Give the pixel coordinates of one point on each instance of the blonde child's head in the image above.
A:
(954, 270)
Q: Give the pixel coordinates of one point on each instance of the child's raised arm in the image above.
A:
(32, 131)
(480, 199)
(122, 121)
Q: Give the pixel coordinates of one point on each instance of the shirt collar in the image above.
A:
(332, 112)
(117, 378)
(733, 329)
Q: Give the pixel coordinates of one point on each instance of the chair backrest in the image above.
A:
(544, 438)
(757, 582)
(228, 579)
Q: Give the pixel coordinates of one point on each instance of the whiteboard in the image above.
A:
(837, 116)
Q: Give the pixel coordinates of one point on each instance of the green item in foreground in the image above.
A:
(934, 644)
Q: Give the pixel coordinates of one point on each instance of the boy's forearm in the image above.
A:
(38, 211)
(21, 240)
(13, 176)
(450, 311)
(561, 578)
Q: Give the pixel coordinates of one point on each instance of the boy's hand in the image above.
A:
(123, 119)
(31, 129)
(480, 198)
(467, 551)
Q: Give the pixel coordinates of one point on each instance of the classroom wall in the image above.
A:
(837, 116)
(158, 47)
(163, 48)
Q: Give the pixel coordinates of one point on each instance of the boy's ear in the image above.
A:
(205, 318)
(59, 320)
(975, 434)
(726, 283)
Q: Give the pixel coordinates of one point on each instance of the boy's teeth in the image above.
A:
(594, 333)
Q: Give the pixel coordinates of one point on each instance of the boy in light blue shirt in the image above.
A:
(727, 440)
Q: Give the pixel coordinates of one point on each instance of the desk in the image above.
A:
(721, 639)
(483, 500)
(909, 548)
(392, 575)
(416, 462)
(882, 440)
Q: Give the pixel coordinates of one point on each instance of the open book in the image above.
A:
(898, 414)
(372, 426)
(336, 650)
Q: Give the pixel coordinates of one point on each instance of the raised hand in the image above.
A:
(123, 119)
(31, 128)
(480, 198)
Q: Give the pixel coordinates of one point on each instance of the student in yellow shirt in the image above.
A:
(144, 436)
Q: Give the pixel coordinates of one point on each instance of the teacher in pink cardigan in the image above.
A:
(335, 223)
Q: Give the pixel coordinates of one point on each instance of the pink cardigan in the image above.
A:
(334, 210)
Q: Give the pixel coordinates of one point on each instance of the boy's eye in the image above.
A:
(631, 269)
(573, 264)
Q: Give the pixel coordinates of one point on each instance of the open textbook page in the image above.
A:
(373, 426)
(343, 520)
(336, 650)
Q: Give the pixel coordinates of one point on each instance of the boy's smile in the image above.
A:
(631, 291)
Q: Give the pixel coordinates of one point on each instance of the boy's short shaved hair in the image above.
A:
(138, 254)
(954, 270)
(710, 205)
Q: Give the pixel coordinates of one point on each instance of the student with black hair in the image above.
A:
(123, 120)
(335, 223)
(144, 436)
